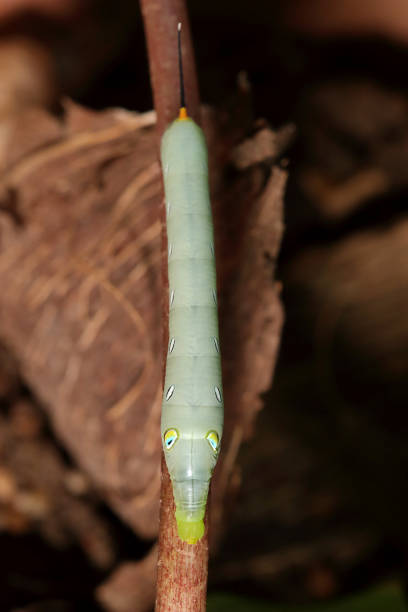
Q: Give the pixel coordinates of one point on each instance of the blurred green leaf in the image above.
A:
(387, 598)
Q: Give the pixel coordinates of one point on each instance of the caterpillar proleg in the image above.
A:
(192, 409)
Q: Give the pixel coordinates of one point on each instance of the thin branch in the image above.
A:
(182, 569)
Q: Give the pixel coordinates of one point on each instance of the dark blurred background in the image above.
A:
(322, 513)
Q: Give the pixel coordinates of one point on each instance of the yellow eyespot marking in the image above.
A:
(170, 438)
(213, 440)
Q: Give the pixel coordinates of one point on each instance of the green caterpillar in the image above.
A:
(192, 409)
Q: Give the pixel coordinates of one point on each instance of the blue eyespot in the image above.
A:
(170, 438)
(213, 440)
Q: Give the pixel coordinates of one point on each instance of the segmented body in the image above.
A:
(192, 411)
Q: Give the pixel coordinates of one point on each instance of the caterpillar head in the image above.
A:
(191, 455)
